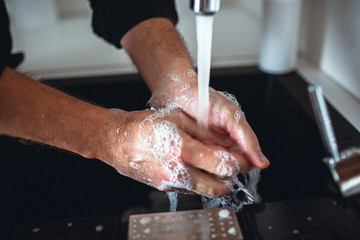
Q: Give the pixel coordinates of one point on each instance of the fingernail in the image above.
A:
(263, 158)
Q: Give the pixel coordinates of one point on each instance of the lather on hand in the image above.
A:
(161, 148)
(164, 149)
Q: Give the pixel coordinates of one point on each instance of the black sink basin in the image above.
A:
(41, 183)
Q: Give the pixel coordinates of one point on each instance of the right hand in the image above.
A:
(166, 149)
(224, 113)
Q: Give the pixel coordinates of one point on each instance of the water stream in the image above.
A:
(204, 31)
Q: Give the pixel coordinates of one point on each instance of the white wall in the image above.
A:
(69, 48)
(73, 8)
(341, 52)
(330, 37)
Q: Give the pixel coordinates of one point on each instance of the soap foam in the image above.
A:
(191, 73)
(238, 115)
(134, 165)
(228, 165)
(185, 87)
(165, 143)
(179, 77)
(230, 96)
(158, 99)
(160, 113)
(174, 77)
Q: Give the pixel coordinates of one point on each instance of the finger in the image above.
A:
(219, 130)
(243, 134)
(189, 126)
(207, 184)
(181, 190)
(212, 159)
(200, 183)
(245, 165)
(231, 118)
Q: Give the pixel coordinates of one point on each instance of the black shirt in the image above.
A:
(111, 19)
(5, 39)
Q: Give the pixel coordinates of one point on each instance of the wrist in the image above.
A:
(158, 51)
(93, 139)
(114, 138)
(173, 85)
(175, 80)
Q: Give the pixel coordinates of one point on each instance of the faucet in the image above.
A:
(205, 7)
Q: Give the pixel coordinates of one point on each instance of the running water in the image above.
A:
(243, 192)
(173, 199)
(204, 30)
(248, 188)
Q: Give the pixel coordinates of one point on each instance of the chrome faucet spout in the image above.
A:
(205, 7)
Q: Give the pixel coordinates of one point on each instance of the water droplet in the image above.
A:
(99, 228)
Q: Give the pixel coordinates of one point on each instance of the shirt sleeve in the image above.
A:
(111, 19)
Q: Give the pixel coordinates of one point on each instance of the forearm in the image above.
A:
(31, 110)
(157, 50)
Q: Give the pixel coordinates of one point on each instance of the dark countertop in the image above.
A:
(39, 183)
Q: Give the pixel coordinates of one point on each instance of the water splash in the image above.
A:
(243, 193)
(173, 198)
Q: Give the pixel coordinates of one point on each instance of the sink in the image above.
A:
(39, 183)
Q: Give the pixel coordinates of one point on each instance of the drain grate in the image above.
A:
(214, 224)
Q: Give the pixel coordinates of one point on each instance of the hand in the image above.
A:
(225, 115)
(165, 149)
